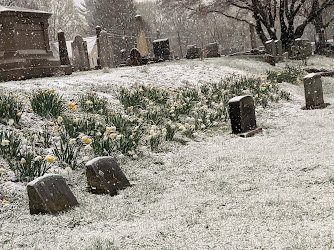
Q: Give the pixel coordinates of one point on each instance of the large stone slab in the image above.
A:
(50, 194)
(104, 176)
(242, 114)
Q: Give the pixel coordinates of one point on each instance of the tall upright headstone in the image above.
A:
(279, 47)
(141, 38)
(270, 47)
(63, 53)
(161, 49)
(242, 115)
(50, 194)
(106, 50)
(80, 58)
(24, 45)
(98, 60)
(313, 91)
(252, 35)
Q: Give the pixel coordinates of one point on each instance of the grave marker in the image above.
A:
(313, 91)
(104, 176)
(80, 58)
(106, 50)
(161, 49)
(193, 52)
(50, 194)
(242, 115)
(270, 47)
(212, 50)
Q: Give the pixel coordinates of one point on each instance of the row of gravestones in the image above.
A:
(80, 59)
(211, 50)
(50, 193)
(301, 49)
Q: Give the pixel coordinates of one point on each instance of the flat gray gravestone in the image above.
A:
(50, 194)
(313, 91)
(104, 176)
(242, 115)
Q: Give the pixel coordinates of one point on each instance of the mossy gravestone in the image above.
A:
(242, 115)
(50, 194)
(104, 176)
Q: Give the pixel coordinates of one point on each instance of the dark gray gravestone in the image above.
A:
(270, 47)
(279, 47)
(212, 50)
(63, 53)
(104, 176)
(313, 91)
(50, 194)
(193, 52)
(242, 115)
(161, 49)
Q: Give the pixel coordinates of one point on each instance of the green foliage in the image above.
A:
(10, 144)
(67, 151)
(10, 108)
(47, 103)
(74, 126)
(289, 74)
(92, 103)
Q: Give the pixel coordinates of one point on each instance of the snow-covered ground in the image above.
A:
(220, 191)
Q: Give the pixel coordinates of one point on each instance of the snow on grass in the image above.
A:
(273, 190)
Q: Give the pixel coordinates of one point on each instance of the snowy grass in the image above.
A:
(274, 190)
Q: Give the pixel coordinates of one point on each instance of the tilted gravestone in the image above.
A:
(63, 53)
(134, 57)
(313, 91)
(212, 50)
(50, 194)
(242, 115)
(104, 176)
(80, 58)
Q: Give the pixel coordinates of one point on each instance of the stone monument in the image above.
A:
(242, 115)
(161, 49)
(80, 58)
(107, 59)
(313, 91)
(50, 194)
(141, 38)
(24, 45)
(104, 176)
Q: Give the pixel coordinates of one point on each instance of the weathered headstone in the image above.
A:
(80, 58)
(50, 194)
(98, 30)
(270, 47)
(24, 45)
(313, 91)
(134, 57)
(106, 50)
(193, 52)
(212, 50)
(242, 115)
(161, 49)
(141, 38)
(252, 35)
(104, 176)
(63, 53)
(279, 47)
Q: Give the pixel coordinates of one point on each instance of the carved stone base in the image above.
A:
(250, 133)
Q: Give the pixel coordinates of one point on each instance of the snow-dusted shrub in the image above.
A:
(47, 103)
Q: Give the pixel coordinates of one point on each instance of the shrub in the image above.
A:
(289, 74)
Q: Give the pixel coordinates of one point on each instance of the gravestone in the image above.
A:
(252, 35)
(242, 115)
(106, 51)
(24, 45)
(193, 52)
(134, 57)
(98, 30)
(104, 176)
(50, 194)
(279, 47)
(313, 91)
(212, 50)
(63, 53)
(141, 38)
(161, 49)
(270, 47)
(80, 58)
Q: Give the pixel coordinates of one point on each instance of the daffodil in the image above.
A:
(5, 142)
(49, 158)
(51, 91)
(2, 170)
(86, 139)
(38, 158)
(10, 122)
(4, 201)
(89, 102)
(72, 141)
(19, 114)
(60, 119)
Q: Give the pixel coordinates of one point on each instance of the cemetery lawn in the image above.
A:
(219, 191)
